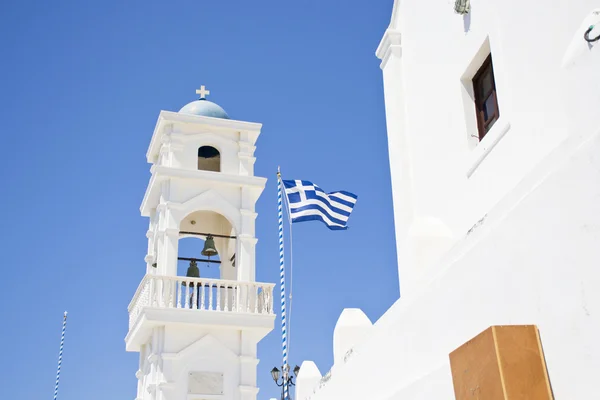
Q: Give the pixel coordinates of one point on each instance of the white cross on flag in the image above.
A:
(309, 202)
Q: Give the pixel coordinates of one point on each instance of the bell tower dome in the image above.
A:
(198, 337)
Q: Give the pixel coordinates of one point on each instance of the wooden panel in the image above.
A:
(475, 369)
(522, 363)
(501, 363)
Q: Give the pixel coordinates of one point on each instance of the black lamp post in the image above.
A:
(275, 374)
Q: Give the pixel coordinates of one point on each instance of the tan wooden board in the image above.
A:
(501, 363)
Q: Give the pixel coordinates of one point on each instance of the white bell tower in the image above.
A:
(197, 337)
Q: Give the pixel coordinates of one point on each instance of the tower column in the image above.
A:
(248, 360)
(167, 240)
(150, 257)
(246, 252)
(246, 246)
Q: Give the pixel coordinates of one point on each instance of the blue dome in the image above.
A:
(204, 108)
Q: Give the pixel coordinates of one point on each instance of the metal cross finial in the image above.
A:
(203, 92)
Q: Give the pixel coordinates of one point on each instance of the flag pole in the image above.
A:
(291, 263)
(60, 353)
(282, 286)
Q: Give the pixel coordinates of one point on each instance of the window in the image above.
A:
(486, 100)
(209, 159)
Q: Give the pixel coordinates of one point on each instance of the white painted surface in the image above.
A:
(506, 231)
(210, 383)
(200, 344)
(351, 329)
(307, 379)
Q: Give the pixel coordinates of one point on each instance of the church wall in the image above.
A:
(451, 177)
(524, 222)
(533, 260)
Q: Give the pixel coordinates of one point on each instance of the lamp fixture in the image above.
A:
(286, 378)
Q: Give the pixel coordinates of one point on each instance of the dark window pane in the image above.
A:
(207, 152)
(489, 107)
(490, 123)
(486, 102)
(486, 84)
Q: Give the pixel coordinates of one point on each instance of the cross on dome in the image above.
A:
(202, 92)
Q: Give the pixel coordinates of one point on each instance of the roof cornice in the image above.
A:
(391, 43)
(162, 173)
(166, 118)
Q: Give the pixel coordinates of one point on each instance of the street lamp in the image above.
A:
(275, 374)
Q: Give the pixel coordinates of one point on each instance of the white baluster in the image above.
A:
(178, 289)
(151, 292)
(171, 294)
(256, 288)
(165, 292)
(218, 308)
(187, 296)
(157, 292)
(210, 296)
(247, 290)
(233, 297)
(194, 296)
(238, 294)
(202, 301)
(161, 293)
(226, 292)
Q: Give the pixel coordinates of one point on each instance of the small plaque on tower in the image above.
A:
(208, 383)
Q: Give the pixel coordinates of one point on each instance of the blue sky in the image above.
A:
(83, 83)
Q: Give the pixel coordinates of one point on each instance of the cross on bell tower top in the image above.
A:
(202, 92)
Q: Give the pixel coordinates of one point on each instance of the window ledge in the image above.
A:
(479, 153)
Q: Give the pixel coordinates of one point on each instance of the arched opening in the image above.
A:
(206, 253)
(209, 159)
(190, 247)
(195, 230)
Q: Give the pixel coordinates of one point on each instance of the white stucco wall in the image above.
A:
(352, 327)
(439, 172)
(307, 379)
(533, 260)
(510, 226)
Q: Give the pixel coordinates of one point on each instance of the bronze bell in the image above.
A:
(193, 271)
(209, 249)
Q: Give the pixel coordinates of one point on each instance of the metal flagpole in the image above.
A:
(291, 285)
(282, 285)
(62, 343)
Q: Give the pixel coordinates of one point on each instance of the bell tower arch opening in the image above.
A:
(198, 257)
(207, 239)
(209, 159)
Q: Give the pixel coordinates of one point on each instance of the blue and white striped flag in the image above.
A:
(309, 202)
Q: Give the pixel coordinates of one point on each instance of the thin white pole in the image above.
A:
(282, 285)
(291, 262)
(60, 354)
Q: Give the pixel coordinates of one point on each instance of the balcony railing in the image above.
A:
(217, 295)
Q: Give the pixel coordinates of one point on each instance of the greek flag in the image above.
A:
(309, 202)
